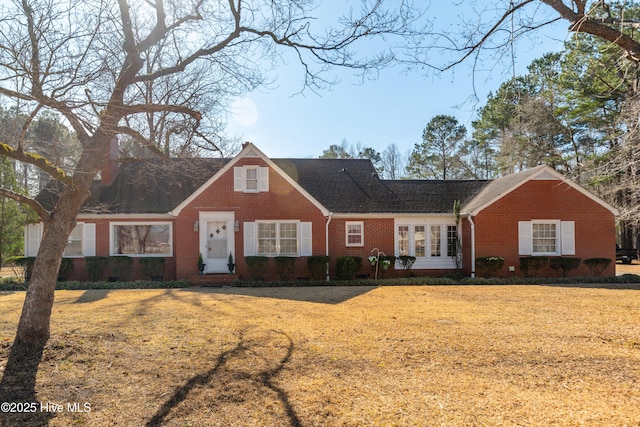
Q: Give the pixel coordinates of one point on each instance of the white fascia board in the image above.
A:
(126, 217)
(255, 153)
(385, 215)
(545, 173)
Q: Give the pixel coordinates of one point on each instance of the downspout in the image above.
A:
(473, 246)
(326, 240)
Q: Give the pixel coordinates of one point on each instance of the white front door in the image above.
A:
(217, 240)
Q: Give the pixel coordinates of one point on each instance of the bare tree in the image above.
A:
(117, 68)
(393, 163)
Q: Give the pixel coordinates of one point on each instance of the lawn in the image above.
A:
(340, 356)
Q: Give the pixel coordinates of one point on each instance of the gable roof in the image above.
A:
(248, 150)
(500, 187)
(335, 186)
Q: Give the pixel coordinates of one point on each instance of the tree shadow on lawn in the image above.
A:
(18, 388)
(92, 295)
(245, 348)
(317, 294)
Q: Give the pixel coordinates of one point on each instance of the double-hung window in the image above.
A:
(354, 233)
(73, 248)
(278, 238)
(546, 237)
(250, 179)
(80, 243)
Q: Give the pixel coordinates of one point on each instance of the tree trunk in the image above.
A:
(34, 324)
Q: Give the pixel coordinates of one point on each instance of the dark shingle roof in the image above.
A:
(340, 185)
(150, 186)
(429, 196)
(352, 186)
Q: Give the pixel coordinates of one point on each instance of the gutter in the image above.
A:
(326, 242)
(473, 246)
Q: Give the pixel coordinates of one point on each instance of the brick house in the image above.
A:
(253, 205)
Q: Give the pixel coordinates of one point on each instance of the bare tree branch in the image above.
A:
(28, 201)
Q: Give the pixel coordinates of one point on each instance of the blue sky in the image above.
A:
(394, 108)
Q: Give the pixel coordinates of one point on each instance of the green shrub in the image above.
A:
(597, 265)
(96, 266)
(531, 265)
(257, 266)
(66, 267)
(120, 266)
(26, 264)
(285, 266)
(358, 260)
(346, 268)
(565, 264)
(153, 267)
(406, 261)
(317, 265)
(489, 266)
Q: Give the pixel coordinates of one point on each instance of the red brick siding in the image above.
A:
(282, 202)
(497, 225)
(378, 233)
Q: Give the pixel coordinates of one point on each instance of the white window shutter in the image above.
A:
(568, 231)
(264, 179)
(249, 238)
(525, 238)
(306, 248)
(89, 239)
(238, 179)
(32, 240)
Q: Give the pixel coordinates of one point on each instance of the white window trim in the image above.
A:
(346, 233)
(277, 223)
(240, 179)
(82, 242)
(33, 238)
(112, 225)
(565, 238)
(245, 179)
(443, 261)
(558, 250)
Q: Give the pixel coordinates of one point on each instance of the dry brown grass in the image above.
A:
(334, 356)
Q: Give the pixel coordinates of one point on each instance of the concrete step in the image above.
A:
(212, 280)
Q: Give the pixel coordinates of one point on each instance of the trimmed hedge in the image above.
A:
(257, 266)
(120, 267)
(532, 264)
(96, 266)
(317, 265)
(152, 267)
(597, 265)
(489, 266)
(285, 266)
(564, 264)
(346, 267)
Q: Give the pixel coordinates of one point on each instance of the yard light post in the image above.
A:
(378, 253)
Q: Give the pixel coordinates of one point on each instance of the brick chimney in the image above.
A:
(110, 165)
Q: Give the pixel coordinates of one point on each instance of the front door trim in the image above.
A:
(203, 218)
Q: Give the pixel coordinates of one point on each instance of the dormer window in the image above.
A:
(251, 179)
